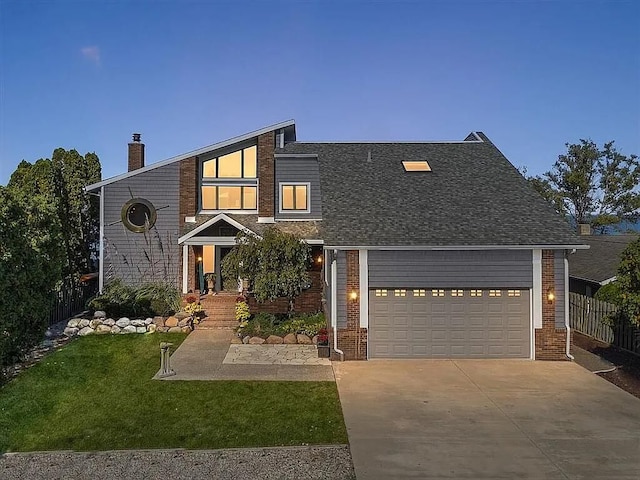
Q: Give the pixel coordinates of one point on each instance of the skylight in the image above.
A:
(416, 166)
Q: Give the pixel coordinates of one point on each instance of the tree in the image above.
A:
(592, 185)
(275, 264)
(628, 280)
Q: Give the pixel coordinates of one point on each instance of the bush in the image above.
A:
(609, 293)
(305, 323)
(122, 300)
(265, 324)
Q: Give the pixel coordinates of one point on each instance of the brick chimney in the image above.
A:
(136, 153)
(584, 229)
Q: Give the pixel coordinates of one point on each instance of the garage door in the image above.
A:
(449, 323)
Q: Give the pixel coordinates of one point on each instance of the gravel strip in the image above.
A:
(309, 462)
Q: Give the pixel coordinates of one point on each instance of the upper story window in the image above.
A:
(294, 197)
(240, 164)
(229, 182)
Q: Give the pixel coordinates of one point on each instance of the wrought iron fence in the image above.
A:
(70, 300)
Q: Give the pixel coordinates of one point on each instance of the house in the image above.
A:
(426, 249)
(591, 269)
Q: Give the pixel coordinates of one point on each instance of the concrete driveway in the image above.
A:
(487, 420)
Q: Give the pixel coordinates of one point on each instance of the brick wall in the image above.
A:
(136, 156)
(550, 341)
(266, 175)
(188, 207)
(353, 339)
(309, 301)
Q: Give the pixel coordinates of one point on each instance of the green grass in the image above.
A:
(97, 394)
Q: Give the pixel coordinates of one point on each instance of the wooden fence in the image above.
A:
(592, 317)
(69, 300)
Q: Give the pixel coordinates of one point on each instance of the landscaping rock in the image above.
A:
(99, 314)
(236, 341)
(158, 321)
(151, 328)
(256, 341)
(175, 330)
(171, 322)
(102, 329)
(290, 339)
(304, 339)
(184, 322)
(314, 340)
(162, 329)
(115, 329)
(274, 339)
(181, 315)
(246, 339)
(142, 329)
(123, 322)
(137, 323)
(94, 323)
(148, 321)
(83, 323)
(71, 331)
(73, 323)
(186, 329)
(110, 322)
(86, 331)
(129, 329)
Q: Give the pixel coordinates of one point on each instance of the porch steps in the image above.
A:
(214, 324)
(220, 310)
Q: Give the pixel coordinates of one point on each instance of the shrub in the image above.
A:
(242, 310)
(122, 300)
(609, 293)
(305, 323)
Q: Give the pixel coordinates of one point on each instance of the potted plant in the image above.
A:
(323, 344)
(210, 278)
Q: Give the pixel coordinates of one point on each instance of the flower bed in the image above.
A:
(266, 328)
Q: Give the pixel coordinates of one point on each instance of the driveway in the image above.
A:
(487, 420)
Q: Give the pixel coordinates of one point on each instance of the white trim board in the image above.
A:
(363, 263)
(458, 247)
(537, 289)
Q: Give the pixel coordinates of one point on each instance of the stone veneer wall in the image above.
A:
(266, 175)
(550, 341)
(188, 208)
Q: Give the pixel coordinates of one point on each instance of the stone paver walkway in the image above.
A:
(201, 357)
(274, 355)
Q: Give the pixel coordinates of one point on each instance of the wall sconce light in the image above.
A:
(319, 259)
(551, 296)
(353, 296)
(199, 259)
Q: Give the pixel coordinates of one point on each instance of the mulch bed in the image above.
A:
(627, 375)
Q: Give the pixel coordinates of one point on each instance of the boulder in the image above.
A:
(186, 329)
(256, 341)
(236, 340)
(102, 329)
(151, 328)
(273, 339)
(183, 322)
(83, 323)
(171, 322)
(181, 315)
(137, 323)
(128, 329)
(73, 323)
(123, 322)
(115, 329)
(142, 329)
(158, 321)
(148, 321)
(314, 340)
(246, 339)
(86, 331)
(94, 323)
(175, 330)
(71, 331)
(304, 339)
(162, 329)
(290, 339)
(110, 322)
(99, 314)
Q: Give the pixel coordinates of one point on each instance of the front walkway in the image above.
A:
(202, 357)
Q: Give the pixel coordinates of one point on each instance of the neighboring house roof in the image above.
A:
(472, 196)
(599, 264)
(289, 127)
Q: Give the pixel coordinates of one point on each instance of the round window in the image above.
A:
(138, 215)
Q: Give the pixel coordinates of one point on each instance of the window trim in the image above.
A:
(283, 211)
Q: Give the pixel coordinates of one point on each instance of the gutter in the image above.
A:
(566, 308)
(334, 308)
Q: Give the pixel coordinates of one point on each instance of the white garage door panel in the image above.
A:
(449, 327)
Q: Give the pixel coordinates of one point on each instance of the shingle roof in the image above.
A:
(600, 262)
(306, 230)
(472, 196)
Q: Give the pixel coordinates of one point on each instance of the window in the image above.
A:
(228, 197)
(495, 293)
(457, 293)
(437, 292)
(419, 293)
(381, 293)
(138, 215)
(239, 164)
(475, 293)
(416, 166)
(294, 197)
(513, 293)
(399, 293)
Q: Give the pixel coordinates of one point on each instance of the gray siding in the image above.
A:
(341, 291)
(138, 257)
(558, 275)
(299, 170)
(451, 269)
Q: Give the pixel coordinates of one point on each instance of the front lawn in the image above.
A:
(97, 394)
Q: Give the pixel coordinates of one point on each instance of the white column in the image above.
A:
(363, 263)
(185, 268)
(537, 288)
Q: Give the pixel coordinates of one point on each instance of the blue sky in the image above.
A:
(531, 75)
